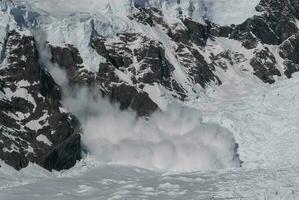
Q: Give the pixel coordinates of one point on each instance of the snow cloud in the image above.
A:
(176, 139)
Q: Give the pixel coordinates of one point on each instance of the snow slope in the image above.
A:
(264, 122)
(226, 12)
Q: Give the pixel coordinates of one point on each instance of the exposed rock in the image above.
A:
(275, 23)
(119, 57)
(281, 17)
(252, 30)
(264, 65)
(67, 56)
(194, 33)
(149, 16)
(227, 59)
(33, 126)
(289, 52)
(129, 97)
(197, 68)
(273, 26)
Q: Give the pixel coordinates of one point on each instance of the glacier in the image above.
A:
(223, 12)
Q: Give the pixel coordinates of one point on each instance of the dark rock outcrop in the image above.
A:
(275, 24)
(106, 79)
(33, 124)
(252, 30)
(265, 65)
(289, 52)
(195, 32)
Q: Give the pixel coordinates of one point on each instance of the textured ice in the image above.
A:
(219, 11)
(226, 12)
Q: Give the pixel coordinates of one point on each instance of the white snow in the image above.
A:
(156, 93)
(263, 120)
(175, 139)
(20, 92)
(38, 123)
(44, 139)
(223, 12)
(6, 24)
(13, 148)
(90, 180)
(226, 12)
(23, 83)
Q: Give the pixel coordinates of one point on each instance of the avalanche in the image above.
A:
(262, 119)
(268, 145)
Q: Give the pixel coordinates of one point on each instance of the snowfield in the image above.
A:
(264, 121)
(93, 182)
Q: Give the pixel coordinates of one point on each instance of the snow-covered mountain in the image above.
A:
(154, 84)
(106, 86)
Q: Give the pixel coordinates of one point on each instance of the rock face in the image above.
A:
(119, 57)
(289, 51)
(147, 59)
(276, 23)
(264, 65)
(33, 125)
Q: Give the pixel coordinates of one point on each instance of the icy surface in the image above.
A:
(226, 12)
(264, 122)
(223, 12)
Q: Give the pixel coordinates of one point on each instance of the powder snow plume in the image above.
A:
(176, 139)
